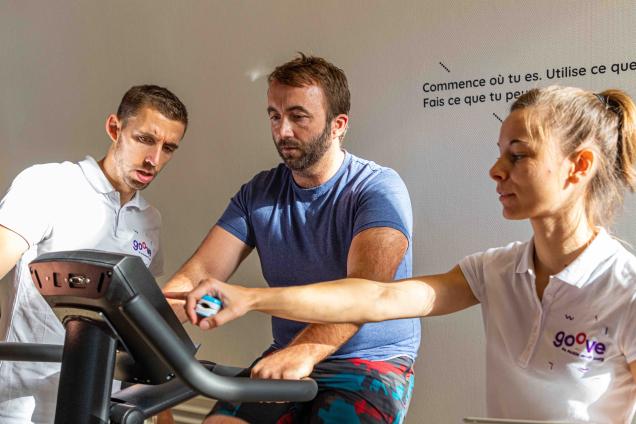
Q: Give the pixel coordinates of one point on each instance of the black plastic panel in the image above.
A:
(103, 282)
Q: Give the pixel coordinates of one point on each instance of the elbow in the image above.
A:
(400, 300)
(386, 305)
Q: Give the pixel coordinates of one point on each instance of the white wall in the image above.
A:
(65, 65)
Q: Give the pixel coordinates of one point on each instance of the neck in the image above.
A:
(559, 240)
(108, 168)
(323, 170)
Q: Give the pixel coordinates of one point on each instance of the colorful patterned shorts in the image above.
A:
(349, 391)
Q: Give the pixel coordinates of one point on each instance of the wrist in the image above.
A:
(258, 299)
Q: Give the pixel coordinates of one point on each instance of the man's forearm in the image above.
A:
(321, 340)
(185, 279)
(218, 256)
(178, 284)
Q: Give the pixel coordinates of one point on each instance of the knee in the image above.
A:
(223, 419)
(164, 417)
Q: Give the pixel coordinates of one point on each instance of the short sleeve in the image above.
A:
(473, 269)
(26, 208)
(384, 202)
(235, 219)
(627, 332)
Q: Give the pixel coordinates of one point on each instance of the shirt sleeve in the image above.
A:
(627, 332)
(384, 202)
(235, 219)
(473, 269)
(27, 208)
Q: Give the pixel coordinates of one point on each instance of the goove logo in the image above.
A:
(580, 340)
(141, 247)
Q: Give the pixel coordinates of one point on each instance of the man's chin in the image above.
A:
(295, 165)
(291, 161)
(138, 185)
(300, 162)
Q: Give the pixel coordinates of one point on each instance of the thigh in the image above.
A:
(258, 412)
(361, 391)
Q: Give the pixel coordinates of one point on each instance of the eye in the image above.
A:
(515, 157)
(168, 149)
(299, 117)
(145, 140)
(274, 118)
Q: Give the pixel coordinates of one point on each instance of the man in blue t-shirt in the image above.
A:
(323, 214)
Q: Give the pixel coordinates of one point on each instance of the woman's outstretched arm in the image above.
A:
(349, 300)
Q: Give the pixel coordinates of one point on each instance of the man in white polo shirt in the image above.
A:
(86, 205)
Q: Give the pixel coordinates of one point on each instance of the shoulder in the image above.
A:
(510, 250)
(49, 169)
(623, 265)
(364, 166)
(45, 175)
(502, 257)
(493, 267)
(369, 175)
(269, 177)
(265, 184)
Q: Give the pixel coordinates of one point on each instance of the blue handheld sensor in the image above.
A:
(208, 306)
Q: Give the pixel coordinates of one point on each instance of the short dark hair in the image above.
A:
(158, 98)
(307, 70)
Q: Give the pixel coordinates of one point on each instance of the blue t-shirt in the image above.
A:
(303, 236)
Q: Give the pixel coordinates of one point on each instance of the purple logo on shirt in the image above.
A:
(141, 247)
(580, 345)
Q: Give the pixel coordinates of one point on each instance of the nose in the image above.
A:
(497, 171)
(284, 129)
(153, 155)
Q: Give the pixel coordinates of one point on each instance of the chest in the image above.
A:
(299, 242)
(102, 224)
(568, 327)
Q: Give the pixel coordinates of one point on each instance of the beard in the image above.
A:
(310, 152)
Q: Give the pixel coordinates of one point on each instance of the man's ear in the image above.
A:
(113, 127)
(582, 165)
(339, 126)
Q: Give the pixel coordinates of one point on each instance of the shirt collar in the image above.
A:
(579, 271)
(138, 202)
(96, 178)
(308, 194)
(525, 262)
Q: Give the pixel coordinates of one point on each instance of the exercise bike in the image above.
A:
(119, 325)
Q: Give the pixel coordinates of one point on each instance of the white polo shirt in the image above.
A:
(565, 357)
(60, 206)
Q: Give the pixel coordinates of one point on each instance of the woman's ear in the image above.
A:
(582, 165)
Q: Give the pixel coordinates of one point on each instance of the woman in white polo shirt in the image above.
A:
(560, 310)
